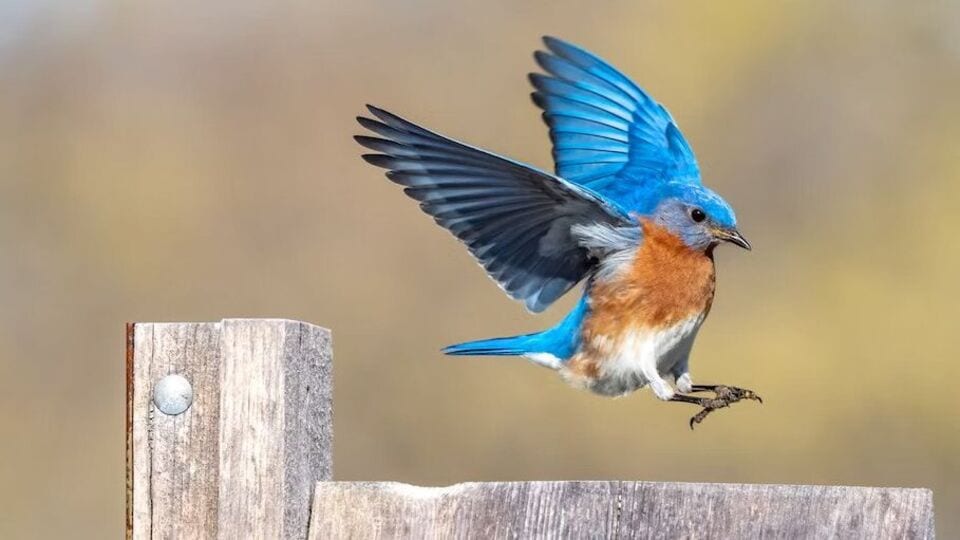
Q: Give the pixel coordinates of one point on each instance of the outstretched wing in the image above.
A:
(608, 134)
(514, 219)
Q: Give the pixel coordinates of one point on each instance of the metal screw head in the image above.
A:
(173, 394)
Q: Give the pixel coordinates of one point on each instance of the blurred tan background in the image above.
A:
(176, 161)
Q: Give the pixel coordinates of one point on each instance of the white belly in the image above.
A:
(635, 357)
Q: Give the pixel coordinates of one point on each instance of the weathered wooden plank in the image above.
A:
(776, 511)
(242, 460)
(484, 510)
(174, 458)
(274, 402)
(618, 510)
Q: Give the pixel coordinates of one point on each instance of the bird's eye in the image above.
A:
(697, 215)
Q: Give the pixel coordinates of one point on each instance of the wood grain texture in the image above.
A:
(242, 460)
(274, 403)
(174, 458)
(618, 510)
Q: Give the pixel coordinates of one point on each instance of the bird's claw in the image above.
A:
(724, 396)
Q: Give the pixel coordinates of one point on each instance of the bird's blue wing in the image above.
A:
(514, 219)
(608, 134)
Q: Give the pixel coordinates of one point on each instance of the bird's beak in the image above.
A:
(733, 236)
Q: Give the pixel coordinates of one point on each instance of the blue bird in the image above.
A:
(625, 212)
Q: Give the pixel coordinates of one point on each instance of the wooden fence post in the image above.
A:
(242, 460)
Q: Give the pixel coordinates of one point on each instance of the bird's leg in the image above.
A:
(648, 368)
(681, 376)
(724, 396)
(684, 383)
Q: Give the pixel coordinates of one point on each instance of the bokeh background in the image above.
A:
(193, 161)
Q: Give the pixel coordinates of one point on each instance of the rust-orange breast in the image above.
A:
(667, 283)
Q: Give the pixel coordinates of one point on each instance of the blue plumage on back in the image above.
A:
(608, 134)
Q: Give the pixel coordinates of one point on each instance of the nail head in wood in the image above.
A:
(173, 394)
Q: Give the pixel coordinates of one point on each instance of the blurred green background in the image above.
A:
(193, 161)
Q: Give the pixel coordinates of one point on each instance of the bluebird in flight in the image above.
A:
(625, 212)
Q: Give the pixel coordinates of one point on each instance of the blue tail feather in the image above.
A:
(561, 341)
(502, 346)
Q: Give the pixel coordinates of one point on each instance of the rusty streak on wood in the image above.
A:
(618, 510)
(128, 430)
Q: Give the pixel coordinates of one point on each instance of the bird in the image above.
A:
(625, 212)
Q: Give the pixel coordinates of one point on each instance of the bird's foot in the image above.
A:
(724, 396)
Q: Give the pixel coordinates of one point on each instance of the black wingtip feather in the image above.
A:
(537, 79)
(542, 57)
(385, 116)
(397, 177)
(366, 122)
(366, 141)
(372, 125)
(533, 97)
(374, 143)
(384, 119)
(377, 160)
(537, 98)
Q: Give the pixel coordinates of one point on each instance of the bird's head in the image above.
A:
(700, 217)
